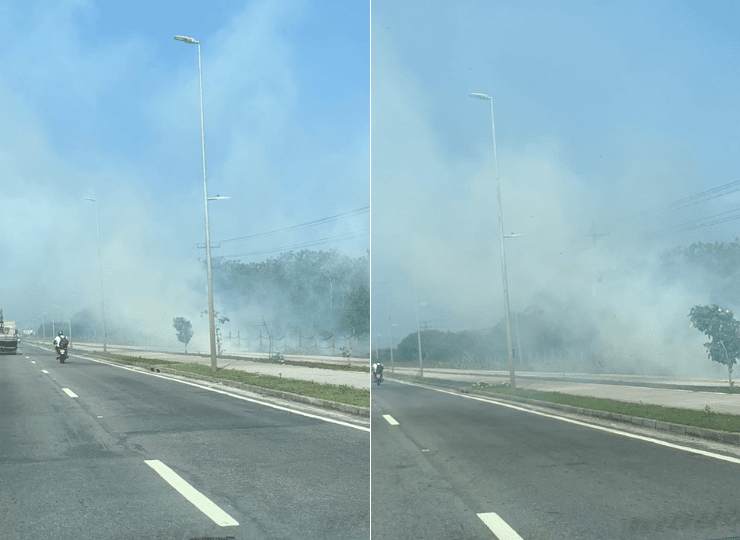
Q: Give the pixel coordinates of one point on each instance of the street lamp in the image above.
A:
(418, 334)
(100, 260)
(390, 339)
(390, 325)
(211, 316)
(509, 351)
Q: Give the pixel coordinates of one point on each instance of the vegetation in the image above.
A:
(134, 359)
(330, 392)
(706, 418)
(317, 290)
(723, 331)
(184, 330)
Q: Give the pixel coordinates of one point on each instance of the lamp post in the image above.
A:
(100, 260)
(211, 316)
(418, 334)
(390, 339)
(507, 317)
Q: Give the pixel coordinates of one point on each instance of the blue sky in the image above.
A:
(605, 113)
(102, 102)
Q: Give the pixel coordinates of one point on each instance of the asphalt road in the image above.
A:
(452, 463)
(93, 451)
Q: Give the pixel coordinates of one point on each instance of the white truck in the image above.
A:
(8, 336)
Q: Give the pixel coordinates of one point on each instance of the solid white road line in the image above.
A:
(392, 421)
(613, 431)
(498, 526)
(69, 392)
(237, 396)
(200, 501)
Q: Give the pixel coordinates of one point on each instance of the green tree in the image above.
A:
(184, 330)
(217, 319)
(723, 331)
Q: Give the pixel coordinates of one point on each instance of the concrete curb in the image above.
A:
(325, 403)
(701, 433)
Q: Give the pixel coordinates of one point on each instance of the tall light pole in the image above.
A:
(418, 334)
(211, 316)
(390, 339)
(507, 317)
(100, 260)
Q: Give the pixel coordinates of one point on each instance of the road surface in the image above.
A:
(89, 450)
(450, 466)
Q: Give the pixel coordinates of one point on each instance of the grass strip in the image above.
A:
(133, 359)
(320, 365)
(705, 418)
(331, 392)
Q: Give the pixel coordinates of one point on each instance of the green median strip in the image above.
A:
(330, 392)
(133, 359)
(705, 418)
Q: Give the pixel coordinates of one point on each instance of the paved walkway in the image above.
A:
(650, 390)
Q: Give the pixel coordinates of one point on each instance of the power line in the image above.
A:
(339, 237)
(321, 221)
(692, 200)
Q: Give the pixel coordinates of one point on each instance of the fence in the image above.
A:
(297, 343)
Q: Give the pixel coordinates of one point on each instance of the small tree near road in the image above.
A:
(723, 331)
(184, 330)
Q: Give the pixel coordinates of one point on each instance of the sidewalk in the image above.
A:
(668, 392)
(354, 379)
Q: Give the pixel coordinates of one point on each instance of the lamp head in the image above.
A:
(186, 39)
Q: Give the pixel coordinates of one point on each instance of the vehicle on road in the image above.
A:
(8, 336)
(378, 373)
(61, 344)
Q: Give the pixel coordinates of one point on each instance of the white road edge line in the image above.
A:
(392, 421)
(652, 440)
(244, 398)
(498, 526)
(200, 501)
(69, 392)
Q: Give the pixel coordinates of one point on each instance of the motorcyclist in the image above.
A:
(57, 341)
(60, 342)
(377, 370)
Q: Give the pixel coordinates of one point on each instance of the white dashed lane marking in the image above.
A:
(392, 421)
(44, 371)
(69, 392)
(201, 502)
(498, 526)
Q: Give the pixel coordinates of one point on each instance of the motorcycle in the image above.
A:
(378, 374)
(62, 354)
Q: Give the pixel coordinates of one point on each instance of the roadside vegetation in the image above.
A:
(132, 360)
(331, 392)
(705, 418)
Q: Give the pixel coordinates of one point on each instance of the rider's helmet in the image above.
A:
(61, 334)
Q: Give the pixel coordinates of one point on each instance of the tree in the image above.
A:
(723, 331)
(217, 319)
(184, 330)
